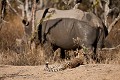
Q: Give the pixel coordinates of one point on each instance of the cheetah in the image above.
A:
(75, 62)
(70, 64)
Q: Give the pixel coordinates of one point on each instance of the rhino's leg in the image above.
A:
(100, 39)
(99, 45)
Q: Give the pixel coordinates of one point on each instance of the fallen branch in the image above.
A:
(111, 48)
(113, 23)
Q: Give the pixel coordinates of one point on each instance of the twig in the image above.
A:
(20, 2)
(106, 12)
(113, 23)
(14, 10)
(76, 6)
(33, 15)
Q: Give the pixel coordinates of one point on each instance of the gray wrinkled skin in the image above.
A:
(63, 32)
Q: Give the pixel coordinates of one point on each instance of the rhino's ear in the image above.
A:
(25, 22)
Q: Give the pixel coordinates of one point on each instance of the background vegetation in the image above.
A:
(11, 28)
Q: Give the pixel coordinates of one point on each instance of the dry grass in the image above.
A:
(10, 31)
(10, 57)
(110, 55)
(11, 54)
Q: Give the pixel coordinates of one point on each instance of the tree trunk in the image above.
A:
(3, 9)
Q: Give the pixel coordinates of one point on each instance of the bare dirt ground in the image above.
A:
(83, 72)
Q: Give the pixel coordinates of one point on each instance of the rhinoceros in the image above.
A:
(52, 13)
(69, 29)
(69, 33)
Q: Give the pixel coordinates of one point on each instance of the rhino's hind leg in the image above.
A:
(100, 43)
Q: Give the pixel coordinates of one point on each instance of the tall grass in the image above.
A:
(10, 52)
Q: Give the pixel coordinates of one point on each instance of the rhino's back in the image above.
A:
(68, 33)
(73, 13)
